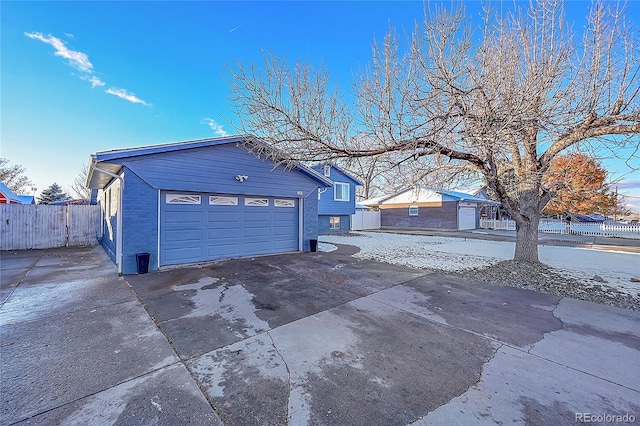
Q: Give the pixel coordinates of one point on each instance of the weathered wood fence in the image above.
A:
(38, 226)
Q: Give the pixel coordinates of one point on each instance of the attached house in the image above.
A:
(8, 197)
(337, 203)
(419, 207)
(202, 200)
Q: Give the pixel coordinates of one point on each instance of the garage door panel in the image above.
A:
(181, 255)
(200, 232)
(221, 233)
(256, 232)
(284, 217)
(183, 236)
(259, 247)
(262, 217)
(226, 217)
(223, 250)
(182, 217)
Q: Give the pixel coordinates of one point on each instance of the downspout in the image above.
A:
(119, 255)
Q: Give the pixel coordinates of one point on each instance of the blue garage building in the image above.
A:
(202, 200)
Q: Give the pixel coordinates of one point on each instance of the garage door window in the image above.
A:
(183, 199)
(260, 202)
(284, 203)
(216, 200)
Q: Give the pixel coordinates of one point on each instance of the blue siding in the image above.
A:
(327, 205)
(140, 222)
(310, 212)
(323, 224)
(213, 170)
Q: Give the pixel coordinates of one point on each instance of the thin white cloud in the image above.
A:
(217, 128)
(77, 59)
(123, 94)
(95, 81)
(80, 61)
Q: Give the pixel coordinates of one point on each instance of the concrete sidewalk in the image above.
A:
(318, 338)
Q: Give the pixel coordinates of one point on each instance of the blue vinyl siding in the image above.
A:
(213, 170)
(327, 205)
(201, 232)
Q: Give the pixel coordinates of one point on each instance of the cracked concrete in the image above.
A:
(318, 339)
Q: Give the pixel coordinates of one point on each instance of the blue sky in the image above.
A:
(81, 77)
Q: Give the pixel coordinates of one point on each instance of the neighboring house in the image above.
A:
(202, 200)
(337, 203)
(419, 207)
(8, 197)
(493, 210)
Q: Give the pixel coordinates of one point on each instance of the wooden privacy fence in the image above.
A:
(38, 226)
(570, 228)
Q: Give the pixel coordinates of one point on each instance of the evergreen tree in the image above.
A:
(52, 194)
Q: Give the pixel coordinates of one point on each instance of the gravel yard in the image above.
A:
(599, 276)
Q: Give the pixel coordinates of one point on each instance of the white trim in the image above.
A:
(256, 202)
(300, 224)
(221, 200)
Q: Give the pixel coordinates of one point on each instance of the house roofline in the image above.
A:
(109, 160)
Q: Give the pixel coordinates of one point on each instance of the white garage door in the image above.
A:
(200, 227)
(466, 218)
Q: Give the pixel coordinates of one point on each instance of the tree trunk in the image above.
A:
(527, 240)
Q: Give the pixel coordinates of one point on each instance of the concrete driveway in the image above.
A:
(319, 338)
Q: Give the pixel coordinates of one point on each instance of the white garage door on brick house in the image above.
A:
(198, 227)
(467, 216)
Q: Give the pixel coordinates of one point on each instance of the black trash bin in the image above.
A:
(142, 262)
(314, 245)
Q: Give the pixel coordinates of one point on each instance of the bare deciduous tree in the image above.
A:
(503, 100)
(78, 186)
(14, 177)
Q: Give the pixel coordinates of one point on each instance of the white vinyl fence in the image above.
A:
(38, 226)
(570, 228)
(365, 220)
